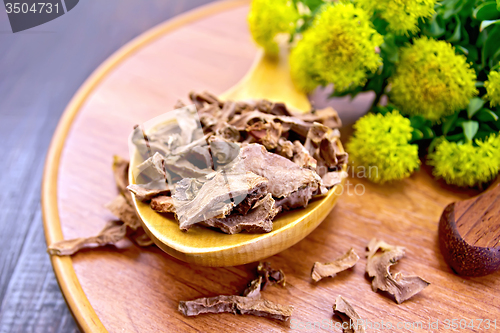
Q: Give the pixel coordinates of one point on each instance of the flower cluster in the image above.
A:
(431, 80)
(401, 15)
(383, 142)
(339, 48)
(493, 88)
(267, 19)
(466, 164)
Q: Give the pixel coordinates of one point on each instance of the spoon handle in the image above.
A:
(469, 234)
(269, 78)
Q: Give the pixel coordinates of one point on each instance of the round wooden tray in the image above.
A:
(126, 288)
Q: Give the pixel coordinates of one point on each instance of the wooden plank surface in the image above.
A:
(138, 290)
(40, 70)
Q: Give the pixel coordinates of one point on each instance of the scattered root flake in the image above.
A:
(237, 305)
(140, 237)
(320, 271)
(249, 303)
(270, 275)
(352, 322)
(254, 288)
(111, 234)
(120, 173)
(120, 208)
(128, 226)
(380, 257)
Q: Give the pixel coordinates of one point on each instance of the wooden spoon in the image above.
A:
(268, 78)
(469, 234)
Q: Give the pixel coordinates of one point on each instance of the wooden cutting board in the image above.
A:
(131, 289)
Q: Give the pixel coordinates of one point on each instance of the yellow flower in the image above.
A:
(493, 88)
(401, 15)
(269, 18)
(465, 164)
(339, 48)
(380, 145)
(431, 80)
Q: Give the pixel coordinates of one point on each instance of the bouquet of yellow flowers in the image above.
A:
(438, 64)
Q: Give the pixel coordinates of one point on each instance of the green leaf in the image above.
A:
(462, 49)
(486, 11)
(481, 135)
(427, 132)
(475, 104)
(470, 129)
(486, 115)
(498, 4)
(456, 36)
(433, 144)
(417, 135)
(417, 121)
(487, 23)
(481, 39)
(473, 55)
(448, 124)
(452, 8)
(436, 27)
(313, 4)
(390, 49)
(455, 137)
(491, 44)
(497, 125)
(486, 128)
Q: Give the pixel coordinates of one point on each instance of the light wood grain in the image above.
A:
(479, 224)
(137, 290)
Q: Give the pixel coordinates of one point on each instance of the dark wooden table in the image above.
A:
(40, 70)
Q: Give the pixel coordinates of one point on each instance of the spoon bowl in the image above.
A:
(268, 78)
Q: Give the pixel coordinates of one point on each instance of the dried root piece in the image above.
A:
(352, 322)
(163, 204)
(291, 151)
(249, 303)
(120, 208)
(120, 172)
(254, 288)
(259, 219)
(270, 275)
(320, 271)
(140, 237)
(238, 305)
(128, 226)
(284, 176)
(328, 117)
(214, 197)
(381, 256)
(333, 178)
(111, 234)
(145, 192)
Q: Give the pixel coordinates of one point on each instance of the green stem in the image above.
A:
(377, 100)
